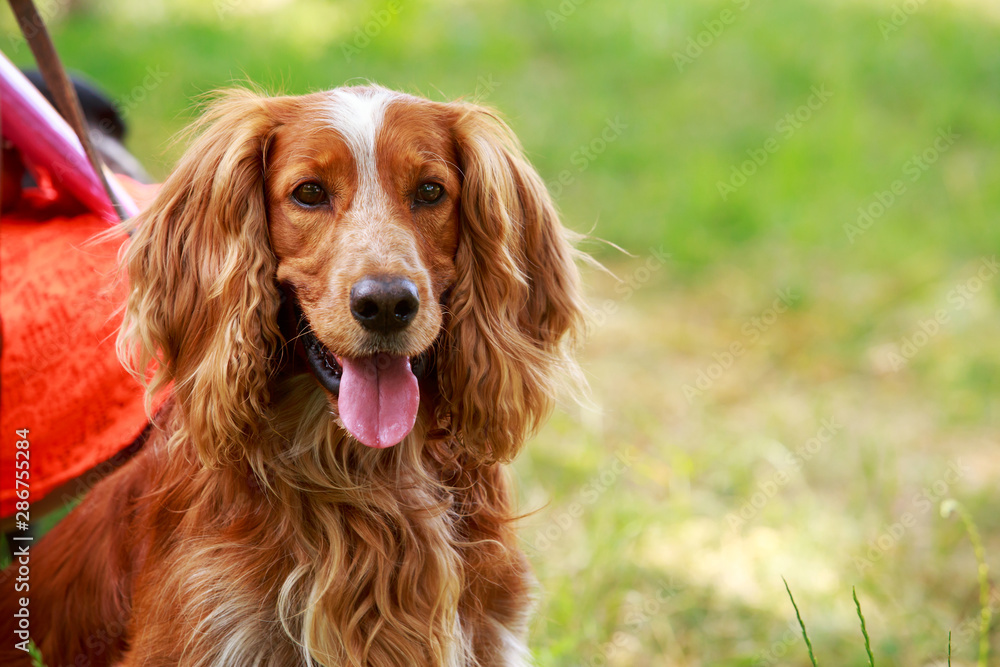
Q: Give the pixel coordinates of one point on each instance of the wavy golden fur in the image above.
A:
(253, 528)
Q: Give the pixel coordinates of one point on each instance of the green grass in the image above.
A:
(802, 625)
(661, 568)
(864, 630)
(946, 508)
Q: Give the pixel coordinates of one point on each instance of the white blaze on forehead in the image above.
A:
(357, 114)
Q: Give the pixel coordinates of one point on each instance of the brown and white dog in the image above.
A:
(361, 303)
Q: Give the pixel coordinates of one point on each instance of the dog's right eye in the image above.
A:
(309, 194)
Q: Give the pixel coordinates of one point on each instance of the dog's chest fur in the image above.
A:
(419, 578)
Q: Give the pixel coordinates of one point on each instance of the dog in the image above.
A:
(359, 304)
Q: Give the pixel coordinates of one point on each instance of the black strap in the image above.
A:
(60, 86)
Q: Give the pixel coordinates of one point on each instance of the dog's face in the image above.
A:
(394, 227)
(363, 189)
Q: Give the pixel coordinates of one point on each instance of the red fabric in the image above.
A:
(60, 376)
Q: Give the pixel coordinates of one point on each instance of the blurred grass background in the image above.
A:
(774, 397)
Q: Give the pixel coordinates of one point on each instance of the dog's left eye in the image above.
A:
(429, 193)
(309, 194)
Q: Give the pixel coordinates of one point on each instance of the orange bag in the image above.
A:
(61, 379)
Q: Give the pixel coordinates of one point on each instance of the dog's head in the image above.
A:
(405, 244)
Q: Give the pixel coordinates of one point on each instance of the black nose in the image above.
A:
(384, 305)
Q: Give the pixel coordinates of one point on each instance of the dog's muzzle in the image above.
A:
(377, 396)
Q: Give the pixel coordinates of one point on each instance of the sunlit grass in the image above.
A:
(831, 520)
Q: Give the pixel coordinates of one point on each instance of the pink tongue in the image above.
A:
(378, 399)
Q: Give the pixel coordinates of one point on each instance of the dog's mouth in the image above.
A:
(377, 396)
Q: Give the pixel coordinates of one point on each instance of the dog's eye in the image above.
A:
(429, 193)
(309, 194)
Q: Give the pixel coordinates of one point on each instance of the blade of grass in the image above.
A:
(36, 655)
(949, 648)
(986, 613)
(864, 630)
(805, 635)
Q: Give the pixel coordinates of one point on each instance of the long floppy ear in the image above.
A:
(203, 302)
(515, 307)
